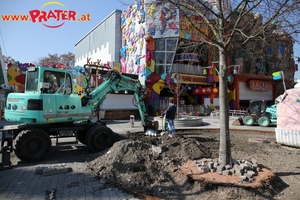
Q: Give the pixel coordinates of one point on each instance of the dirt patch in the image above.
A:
(164, 167)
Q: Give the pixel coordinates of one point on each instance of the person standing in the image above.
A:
(170, 116)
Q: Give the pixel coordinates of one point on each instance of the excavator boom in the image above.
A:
(115, 82)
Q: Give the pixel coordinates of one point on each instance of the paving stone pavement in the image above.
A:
(23, 182)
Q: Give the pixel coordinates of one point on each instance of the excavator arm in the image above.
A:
(114, 82)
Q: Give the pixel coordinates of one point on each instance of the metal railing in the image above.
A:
(200, 70)
(187, 69)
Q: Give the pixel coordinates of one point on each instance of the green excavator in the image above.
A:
(50, 107)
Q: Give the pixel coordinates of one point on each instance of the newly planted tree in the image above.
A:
(177, 87)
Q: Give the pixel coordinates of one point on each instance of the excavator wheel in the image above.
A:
(264, 121)
(248, 120)
(99, 137)
(32, 145)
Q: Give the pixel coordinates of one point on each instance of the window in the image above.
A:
(32, 81)
(160, 57)
(59, 82)
(164, 54)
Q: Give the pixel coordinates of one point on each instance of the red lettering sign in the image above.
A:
(193, 79)
(98, 63)
(258, 85)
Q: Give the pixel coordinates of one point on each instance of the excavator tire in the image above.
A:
(32, 145)
(81, 136)
(248, 120)
(264, 121)
(99, 138)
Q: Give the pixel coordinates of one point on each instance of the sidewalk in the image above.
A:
(23, 181)
(122, 126)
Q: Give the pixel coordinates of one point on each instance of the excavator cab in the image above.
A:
(48, 98)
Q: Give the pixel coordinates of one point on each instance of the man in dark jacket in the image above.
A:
(170, 116)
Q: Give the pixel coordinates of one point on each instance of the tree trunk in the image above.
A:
(225, 150)
(177, 109)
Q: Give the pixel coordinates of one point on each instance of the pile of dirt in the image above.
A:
(153, 166)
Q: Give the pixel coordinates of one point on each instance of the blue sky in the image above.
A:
(27, 41)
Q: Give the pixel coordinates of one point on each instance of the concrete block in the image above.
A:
(220, 168)
(39, 170)
(226, 172)
(232, 171)
(250, 174)
(238, 173)
(216, 164)
(228, 167)
(210, 165)
(205, 169)
(235, 166)
(238, 169)
(53, 171)
(243, 178)
(249, 164)
(244, 166)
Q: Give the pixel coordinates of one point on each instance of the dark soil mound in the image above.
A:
(152, 165)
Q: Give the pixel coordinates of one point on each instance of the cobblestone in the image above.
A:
(23, 182)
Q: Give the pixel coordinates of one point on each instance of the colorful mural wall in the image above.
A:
(141, 24)
(133, 39)
(16, 74)
(162, 19)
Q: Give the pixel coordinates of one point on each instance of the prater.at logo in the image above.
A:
(59, 15)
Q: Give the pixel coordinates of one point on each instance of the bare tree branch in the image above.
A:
(67, 59)
(250, 28)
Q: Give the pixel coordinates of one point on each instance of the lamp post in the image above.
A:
(237, 69)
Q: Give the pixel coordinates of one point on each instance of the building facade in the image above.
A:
(101, 46)
(152, 41)
(163, 35)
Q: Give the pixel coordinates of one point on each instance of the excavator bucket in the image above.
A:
(151, 128)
